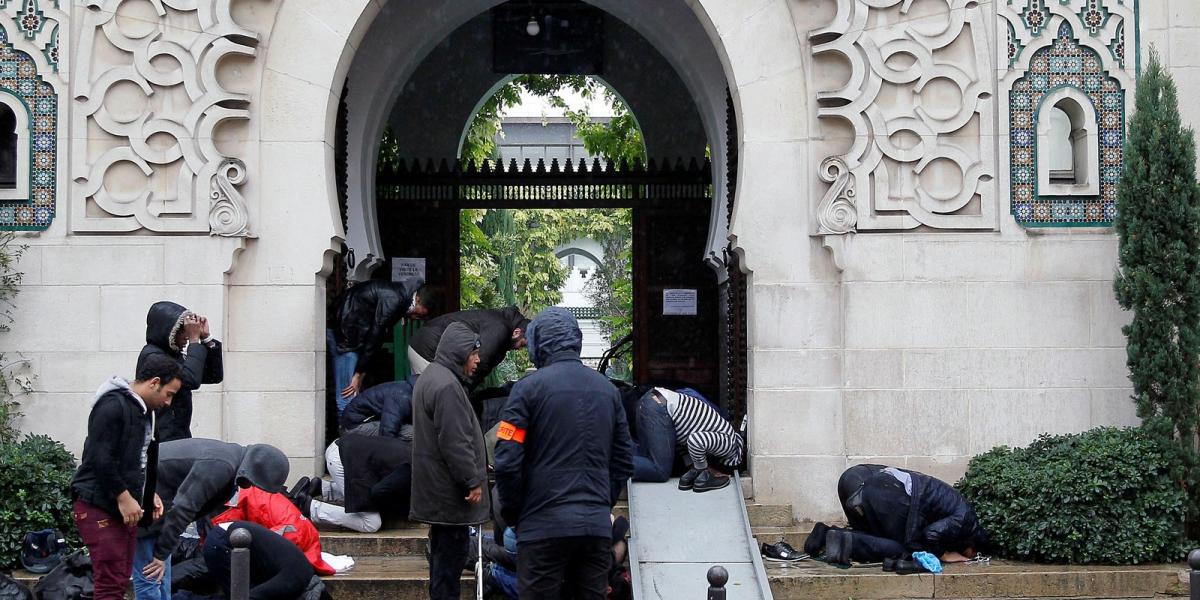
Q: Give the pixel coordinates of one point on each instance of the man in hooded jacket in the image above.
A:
(183, 335)
(499, 329)
(196, 478)
(563, 456)
(449, 460)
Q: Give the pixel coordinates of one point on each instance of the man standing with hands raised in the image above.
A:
(449, 460)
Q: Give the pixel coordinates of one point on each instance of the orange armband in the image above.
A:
(509, 432)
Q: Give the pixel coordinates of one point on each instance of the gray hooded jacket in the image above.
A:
(198, 477)
(448, 452)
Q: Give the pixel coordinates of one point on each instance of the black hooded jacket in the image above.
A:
(198, 477)
(116, 450)
(201, 364)
(567, 452)
(449, 459)
(367, 312)
(494, 326)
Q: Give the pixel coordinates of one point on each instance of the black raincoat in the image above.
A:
(367, 312)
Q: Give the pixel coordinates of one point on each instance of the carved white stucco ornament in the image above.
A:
(920, 107)
(150, 103)
(229, 215)
(837, 214)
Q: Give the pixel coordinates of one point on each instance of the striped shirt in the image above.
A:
(691, 414)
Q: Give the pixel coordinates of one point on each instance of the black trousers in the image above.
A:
(449, 547)
(568, 567)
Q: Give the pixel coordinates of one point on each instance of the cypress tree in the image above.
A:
(1158, 221)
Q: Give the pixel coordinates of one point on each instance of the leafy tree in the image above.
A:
(1158, 221)
(11, 381)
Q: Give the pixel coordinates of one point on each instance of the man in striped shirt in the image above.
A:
(703, 433)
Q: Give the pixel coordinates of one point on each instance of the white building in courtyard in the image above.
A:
(921, 198)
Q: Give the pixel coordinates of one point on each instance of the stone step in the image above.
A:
(405, 577)
(1000, 579)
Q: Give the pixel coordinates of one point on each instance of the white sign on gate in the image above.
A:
(403, 268)
(679, 302)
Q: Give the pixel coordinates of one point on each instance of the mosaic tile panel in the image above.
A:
(19, 77)
(1065, 63)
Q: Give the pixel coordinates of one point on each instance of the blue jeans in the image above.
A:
(144, 589)
(654, 453)
(344, 364)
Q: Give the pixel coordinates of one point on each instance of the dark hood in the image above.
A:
(455, 346)
(554, 333)
(265, 467)
(163, 321)
(512, 317)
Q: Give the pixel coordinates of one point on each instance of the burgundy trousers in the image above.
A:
(110, 543)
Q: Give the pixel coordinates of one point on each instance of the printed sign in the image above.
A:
(679, 302)
(403, 268)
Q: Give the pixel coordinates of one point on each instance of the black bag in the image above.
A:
(70, 580)
(11, 589)
(42, 550)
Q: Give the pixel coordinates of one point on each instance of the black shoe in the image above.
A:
(837, 547)
(314, 488)
(303, 502)
(908, 567)
(816, 539)
(300, 486)
(689, 479)
(889, 564)
(781, 551)
(706, 481)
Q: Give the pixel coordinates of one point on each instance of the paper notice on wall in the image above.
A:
(403, 268)
(679, 302)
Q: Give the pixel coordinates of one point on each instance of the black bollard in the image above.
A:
(239, 565)
(1194, 579)
(717, 578)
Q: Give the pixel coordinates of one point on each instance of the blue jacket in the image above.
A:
(564, 452)
(390, 402)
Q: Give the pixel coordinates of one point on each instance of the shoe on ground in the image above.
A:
(706, 481)
(889, 564)
(837, 547)
(314, 488)
(781, 551)
(303, 502)
(689, 479)
(301, 486)
(908, 567)
(816, 539)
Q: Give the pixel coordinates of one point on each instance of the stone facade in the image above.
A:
(907, 302)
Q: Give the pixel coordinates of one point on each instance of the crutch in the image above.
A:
(479, 563)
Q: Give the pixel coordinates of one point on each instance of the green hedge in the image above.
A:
(35, 481)
(1103, 496)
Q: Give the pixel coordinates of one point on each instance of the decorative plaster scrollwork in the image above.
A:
(837, 213)
(152, 103)
(919, 104)
(229, 216)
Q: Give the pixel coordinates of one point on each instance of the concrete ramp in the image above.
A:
(677, 536)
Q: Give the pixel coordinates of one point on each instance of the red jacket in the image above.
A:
(277, 513)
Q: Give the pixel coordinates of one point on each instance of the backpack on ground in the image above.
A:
(11, 589)
(70, 580)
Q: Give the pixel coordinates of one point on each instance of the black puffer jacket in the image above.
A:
(201, 364)
(449, 459)
(390, 403)
(567, 453)
(494, 326)
(367, 312)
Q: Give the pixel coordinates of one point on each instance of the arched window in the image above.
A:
(1068, 145)
(8, 148)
